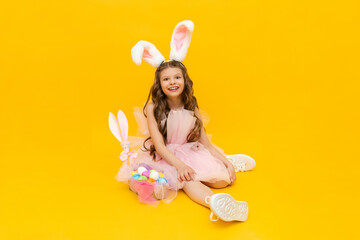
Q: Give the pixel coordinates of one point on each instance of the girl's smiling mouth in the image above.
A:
(173, 89)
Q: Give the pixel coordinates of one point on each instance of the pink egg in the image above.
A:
(146, 174)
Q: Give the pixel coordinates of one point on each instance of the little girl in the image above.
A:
(177, 144)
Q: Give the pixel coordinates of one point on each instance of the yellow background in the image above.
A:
(279, 79)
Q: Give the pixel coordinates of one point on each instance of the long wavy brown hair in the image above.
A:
(161, 107)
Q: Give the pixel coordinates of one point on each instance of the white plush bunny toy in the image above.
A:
(120, 127)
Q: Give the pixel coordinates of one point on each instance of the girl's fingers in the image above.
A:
(183, 177)
(188, 176)
(191, 174)
(179, 177)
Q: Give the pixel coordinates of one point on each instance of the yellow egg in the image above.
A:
(133, 172)
(161, 175)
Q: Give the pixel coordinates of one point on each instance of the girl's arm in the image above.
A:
(216, 153)
(207, 144)
(184, 171)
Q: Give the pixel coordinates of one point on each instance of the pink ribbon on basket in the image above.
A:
(125, 154)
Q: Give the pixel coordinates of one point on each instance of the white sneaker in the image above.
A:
(241, 162)
(225, 207)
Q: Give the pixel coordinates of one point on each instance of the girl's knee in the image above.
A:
(218, 184)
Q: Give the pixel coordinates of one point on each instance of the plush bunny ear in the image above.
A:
(114, 127)
(180, 40)
(147, 51)
(123, 123)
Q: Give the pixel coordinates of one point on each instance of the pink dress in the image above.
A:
(194, 154)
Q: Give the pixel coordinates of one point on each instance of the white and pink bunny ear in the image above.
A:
(147, 51)
(180, 40)
(119, 127)
(114, 127)
(124, 126)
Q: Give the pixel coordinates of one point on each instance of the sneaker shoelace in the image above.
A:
(238, 165)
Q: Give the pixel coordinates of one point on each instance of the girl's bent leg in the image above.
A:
(219, 184)
(197, 191)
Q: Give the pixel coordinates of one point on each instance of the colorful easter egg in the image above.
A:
(154, 175)
(162, 180)
(152, 170)
(146, 174)
(133, 172)
(141, 170)
(142, 178)
(135, 176)
(161, 175)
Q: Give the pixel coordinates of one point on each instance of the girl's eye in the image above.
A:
(165, 79)
(178, 77)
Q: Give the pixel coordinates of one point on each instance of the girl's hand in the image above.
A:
(185, 173)
(231, 171)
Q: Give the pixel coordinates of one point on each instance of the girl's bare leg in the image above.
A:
(197, 191)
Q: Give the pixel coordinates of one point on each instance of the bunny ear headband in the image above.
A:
(180, 42)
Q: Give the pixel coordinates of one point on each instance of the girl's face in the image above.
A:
(172, 82)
